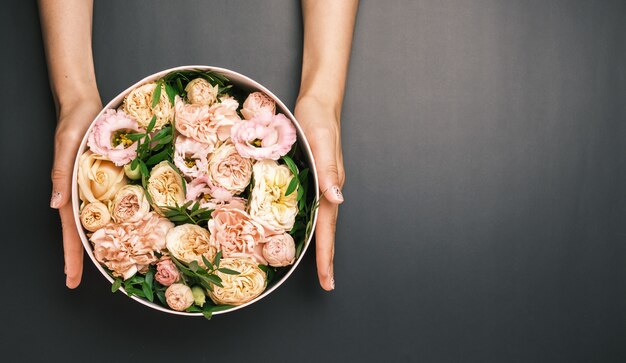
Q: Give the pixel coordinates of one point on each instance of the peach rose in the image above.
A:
(167, 272)
(129, 248)
(98, 178)
(94, 216)
(130, 204)
(207, 124)
(138, 105)
(229, 170)
(238, 235)
(268, 202)
(179, 297)
(165, 186)
(190, 242)
(242, 288)
(257, 103)
(200, 92)
(280, 250)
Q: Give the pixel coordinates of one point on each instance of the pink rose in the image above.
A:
(280, 250)
(108, 137)
(191, 156)
(179, 297)
(265, 136)
(203, 123)
(129, 248)
(229, 170)
(238, 235)
(199, 91)
(167, 273)
(257, 103)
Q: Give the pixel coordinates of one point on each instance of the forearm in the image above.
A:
(328, 28)
(66, 27)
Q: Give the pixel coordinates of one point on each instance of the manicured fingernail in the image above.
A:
(55, 200)
(336, 192)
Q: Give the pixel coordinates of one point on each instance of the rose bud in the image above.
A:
(199, 298)
(133, 174)
(179, 297)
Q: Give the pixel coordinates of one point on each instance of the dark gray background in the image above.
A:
(485, 150)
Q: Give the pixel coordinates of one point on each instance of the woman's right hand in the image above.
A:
(74, 120)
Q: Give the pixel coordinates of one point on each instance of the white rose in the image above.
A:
(269, 202)
(138, 105)
(241, 288)
(190, 242)
(98, 178)
(165, 186)
(229, 170)
(130, 204)
(94, 216)
(200, 92)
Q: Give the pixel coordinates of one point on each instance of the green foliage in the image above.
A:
(188, 213)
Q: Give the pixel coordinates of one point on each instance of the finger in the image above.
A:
(324, 147)
(325, 243)
(72, 248)
(62, 168)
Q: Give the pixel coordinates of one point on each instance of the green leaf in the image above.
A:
(207, 263)
(293, 184)
(161, 296)
(179, 84)
(215, 280)
(157, 158)
(149, 278)
(156, 96)
(207, 315)
(228, 271)
(134, 164)
(116, 285)
(216, 260)
(144, 169)
(165, 140)
(171, 93)
(134, 291)
(291, 165)
(135, 137)
(151, 125)
(179, 218)
(193, 309)
(147, 291)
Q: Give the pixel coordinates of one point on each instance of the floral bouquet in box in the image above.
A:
(195, 191)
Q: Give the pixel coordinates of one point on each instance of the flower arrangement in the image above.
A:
(194, 192)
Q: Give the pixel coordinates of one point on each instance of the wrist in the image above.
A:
(325, 101)
(71, 103)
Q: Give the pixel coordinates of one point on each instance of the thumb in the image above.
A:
(329, 169)
(62, 167)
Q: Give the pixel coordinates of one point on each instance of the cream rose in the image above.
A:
(138, 105)
(241, 288)
(130, 204)
(98, 178)
(190, 242)
(179, 297)
(269, 202)
(229, 170)
(200, 92)
(165, 186)
(280, 250)
(94, 216)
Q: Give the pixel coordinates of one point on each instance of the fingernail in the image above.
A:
(332, 283)
(336, 192)
(55, 200)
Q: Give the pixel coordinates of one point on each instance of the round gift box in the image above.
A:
(244, 83)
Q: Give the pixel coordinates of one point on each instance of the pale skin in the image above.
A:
(328, 28)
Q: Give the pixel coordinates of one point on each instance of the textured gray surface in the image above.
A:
(484, 143)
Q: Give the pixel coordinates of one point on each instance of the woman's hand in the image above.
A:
(321, 127)
(72, 125)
